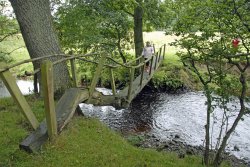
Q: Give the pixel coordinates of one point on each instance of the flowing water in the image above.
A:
(26, 87)
(167, 115)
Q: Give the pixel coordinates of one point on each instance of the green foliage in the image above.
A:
(14, 45)
(172, 76)
(93, 26)
(135, 140)
(8, 27)
(207, 29)
(167, 80)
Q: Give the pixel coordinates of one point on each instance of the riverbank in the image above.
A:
(177, 125)
(179, 147)
(85, 142)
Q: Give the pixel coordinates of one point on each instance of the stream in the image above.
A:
(167, 116)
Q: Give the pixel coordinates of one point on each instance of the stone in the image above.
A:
(236, 148)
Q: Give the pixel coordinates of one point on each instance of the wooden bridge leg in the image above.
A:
(112, 80)
(10, 83)
(48, 92)
(73, 70)
(96, 76)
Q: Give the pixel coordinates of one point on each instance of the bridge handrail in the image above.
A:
(70, 57)
(45, 57)
(90, 61)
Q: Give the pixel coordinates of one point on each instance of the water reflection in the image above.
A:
(167, 115)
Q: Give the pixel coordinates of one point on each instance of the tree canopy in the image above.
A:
(93, 23)
(215, 35)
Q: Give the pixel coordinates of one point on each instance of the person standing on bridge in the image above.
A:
(147, 52)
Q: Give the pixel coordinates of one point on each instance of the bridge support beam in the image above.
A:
(10, 83)
(96, 76)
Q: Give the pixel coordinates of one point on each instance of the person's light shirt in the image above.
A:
(148, 51)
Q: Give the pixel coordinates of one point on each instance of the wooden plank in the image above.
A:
(73, 71)
(96, 76)
(131, 79)
(10, 83)
(65, 110)
(48, 93)
(112, 80)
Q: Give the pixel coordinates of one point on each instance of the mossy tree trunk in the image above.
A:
(35, 21)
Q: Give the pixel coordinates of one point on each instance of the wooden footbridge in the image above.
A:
(58, 116)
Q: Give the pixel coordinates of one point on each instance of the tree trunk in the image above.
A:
(36, 25)
(138, 34)
(207, 127)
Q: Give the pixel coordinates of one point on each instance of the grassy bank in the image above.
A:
(85, 142)
(172, 76)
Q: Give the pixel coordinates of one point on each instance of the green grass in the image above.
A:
(84, 142)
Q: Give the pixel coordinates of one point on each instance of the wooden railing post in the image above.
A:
(73, 71)
(156, 60)
(48, 93)
(131, 79)
(96, 76)
(160, 52)
(151, 65)
(164, 50)
(10, 83)
(142, 73)
(112, 80)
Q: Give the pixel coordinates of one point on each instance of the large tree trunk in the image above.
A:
(138, 34)
(36, 25)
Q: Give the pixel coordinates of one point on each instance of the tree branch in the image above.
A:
(237, 55)
(240, 17)
(129, 13)
(8, 53)
(10, 34)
